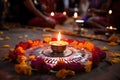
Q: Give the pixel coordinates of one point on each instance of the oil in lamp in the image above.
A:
(58, 46)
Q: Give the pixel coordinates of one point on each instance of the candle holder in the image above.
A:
(111, 30)
(80, 24)
(58, 46)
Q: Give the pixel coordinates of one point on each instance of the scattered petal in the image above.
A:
(112, 54)
(12, 49)
(1, 32)
(47, 40)
(20, 37)
(7, 38)
(5, 57)
(105, 48)
(26, 36)
(88, 66)
(63, 73)
(113, 38)
(33, 29)
(23, 69)
(1, 38)
(32, 57)
(112, 44)
(46, 35)
(114, 60)
(6, 46)
(99, 37)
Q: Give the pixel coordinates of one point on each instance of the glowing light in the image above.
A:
(110, 12)
(52, 14)
(35, 1)
(75, 15)
(64, 13)
(79, 21)
(111, 28)
(59, 36)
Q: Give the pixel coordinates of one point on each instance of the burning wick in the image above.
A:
(52, 14)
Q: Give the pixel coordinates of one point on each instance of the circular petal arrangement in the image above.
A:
(38, 55)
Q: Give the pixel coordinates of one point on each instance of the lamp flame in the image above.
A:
(110, 12)
(111, 27)
(52, 14)
(75, 15)
(64, 13)
(59, 36)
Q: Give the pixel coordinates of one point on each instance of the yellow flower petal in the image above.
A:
(7, 38)
(104, 48)
(5, 57)
(61, 74)
(20, 37)
(88, 66)
(12, 49)
(1, 32)
(112, 44)
(70, 73)
(113, 38)
(114, 60)
(23, 69)
(26, 36)
(47, 40)
(6, 46)
(1, 38)
(89, 46)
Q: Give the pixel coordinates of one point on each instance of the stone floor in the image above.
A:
(104, 71)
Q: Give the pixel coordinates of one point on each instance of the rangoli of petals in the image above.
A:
(79, 55)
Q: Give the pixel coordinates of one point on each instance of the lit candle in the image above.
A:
(64, 13)
(52, 14)
(75, 15)
(110, 11)
(111, 28)
(80, 23)
(58, 46)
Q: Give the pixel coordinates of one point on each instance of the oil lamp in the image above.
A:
(111, 28)
(80, 24)
(58, 46)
